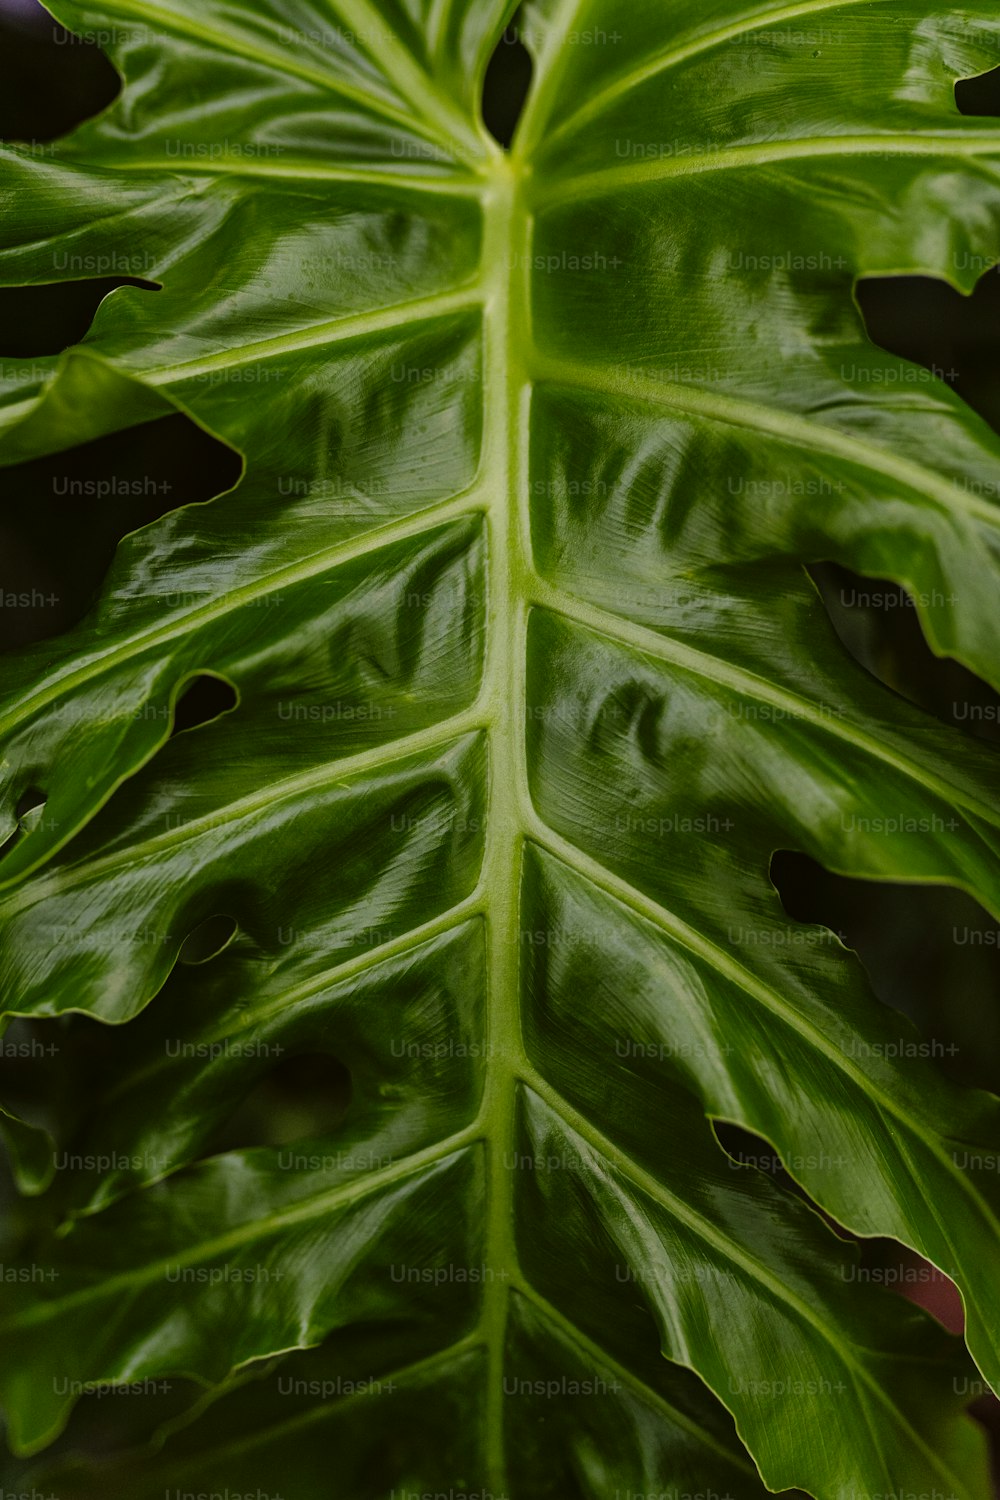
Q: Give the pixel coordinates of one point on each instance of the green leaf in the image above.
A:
(30, 1150)
(531, 685)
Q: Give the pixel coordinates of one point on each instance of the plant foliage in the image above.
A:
(532, 683)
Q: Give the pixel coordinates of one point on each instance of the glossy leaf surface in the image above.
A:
(531, 683)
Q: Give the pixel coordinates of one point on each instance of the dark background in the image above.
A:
(906, 936)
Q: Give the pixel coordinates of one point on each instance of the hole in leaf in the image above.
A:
(749, 1150)
(923, 319)
(204, 699)
(881, 1262)
(980, 95)
(208, 939)
(929, 1288)
(30, 802)
(878, 623)
(301, 1098)
(931, 952)
(888, 1264)
(50, 80)
(40, 320)
(62, 517)
(506, 86)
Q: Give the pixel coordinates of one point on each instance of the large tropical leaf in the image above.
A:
(531, 684)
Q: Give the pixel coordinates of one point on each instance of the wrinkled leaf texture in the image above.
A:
(532, 682)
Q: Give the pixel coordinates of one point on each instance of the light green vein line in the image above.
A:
(397, 179)
(695, 942)
(282, 62)
(318, 335)
(753, 21)
(550, 67)
(345, 1196)
(398, 757)
(604, 1148)
(341, 553)
(787, 426)
(505, 458)
(323, 1411)
(437, 26)
(176, 194)
(279, 1006)
(389, 51)
(586, 1345)
(731, 158)
(452, 1355)
(746, 684)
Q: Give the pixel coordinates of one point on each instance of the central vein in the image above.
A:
(505, 457)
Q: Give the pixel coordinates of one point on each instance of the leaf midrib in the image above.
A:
(693, 941)
(479, 1130)
(507, 835)
(506, 236)
(484, 1130)
(451, 1354)
(784, 425)
(483, 715)
(443, 1358)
